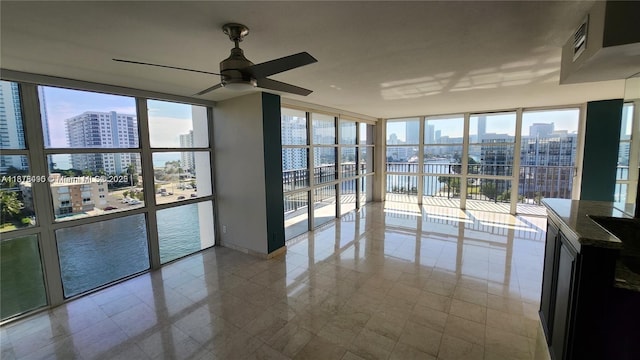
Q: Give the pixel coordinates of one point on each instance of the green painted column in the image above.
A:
(600, 160)
(273, 170)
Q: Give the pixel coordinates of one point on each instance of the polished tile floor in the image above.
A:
(393, 281)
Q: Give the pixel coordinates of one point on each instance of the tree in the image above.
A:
(11, 205)
(452, 184)
(132, 174)
(489, 190)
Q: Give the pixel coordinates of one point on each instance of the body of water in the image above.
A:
(96, 254)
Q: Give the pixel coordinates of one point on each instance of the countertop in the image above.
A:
(570, 216)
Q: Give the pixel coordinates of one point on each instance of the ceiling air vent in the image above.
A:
(580, 39)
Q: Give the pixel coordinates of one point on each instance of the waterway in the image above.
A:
(96, 254)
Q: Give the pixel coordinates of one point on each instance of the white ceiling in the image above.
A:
(382, 59)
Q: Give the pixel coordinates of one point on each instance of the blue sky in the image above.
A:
(563, 119)
(166, 120)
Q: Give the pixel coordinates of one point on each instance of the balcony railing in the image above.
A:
(299, 179)
(443, 180)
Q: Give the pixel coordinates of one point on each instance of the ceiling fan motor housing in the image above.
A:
(231, 69)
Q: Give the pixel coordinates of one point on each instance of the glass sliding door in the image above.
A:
(402, 159)
(548, 150)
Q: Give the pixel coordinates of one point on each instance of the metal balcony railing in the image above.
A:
(443, 179)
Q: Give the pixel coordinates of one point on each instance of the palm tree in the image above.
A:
(11, 206)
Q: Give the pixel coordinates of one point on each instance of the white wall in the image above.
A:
(239, 172)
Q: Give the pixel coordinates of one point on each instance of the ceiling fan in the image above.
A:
(238, 73)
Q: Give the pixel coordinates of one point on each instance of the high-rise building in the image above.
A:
(294, 133)
(412, 134)
(547, 164)
(93, 129)
(482, 128)
(45, 123)
(11, 129)
(187, 159)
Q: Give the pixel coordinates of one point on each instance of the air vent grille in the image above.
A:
(580, 39)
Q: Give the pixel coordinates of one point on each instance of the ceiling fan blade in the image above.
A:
(280, 86)
(165, 66)
(216, 86)
(272, 67)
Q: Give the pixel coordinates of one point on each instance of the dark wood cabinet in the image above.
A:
(564, 296)
(558, 291)
(582, 314)
(548, 280)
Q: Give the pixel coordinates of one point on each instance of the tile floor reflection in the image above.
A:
(394, 281)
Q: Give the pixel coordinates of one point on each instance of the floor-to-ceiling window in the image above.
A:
(627, 155)
(109, 186)
(21, 273)
(402, 158)
(548, 151)
(327, 164)
(498, 161)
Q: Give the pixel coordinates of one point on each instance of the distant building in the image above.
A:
(93, 129)
(71, 195)
(539, 129)
(547, 164)
(187, 159)
(412, 132)
(11, 129)
(294, 133)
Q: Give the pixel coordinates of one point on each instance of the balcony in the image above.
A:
(489, 185)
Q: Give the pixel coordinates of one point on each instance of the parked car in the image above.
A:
(109, 208)
(194, 195)
(180, 197)
(135, 202)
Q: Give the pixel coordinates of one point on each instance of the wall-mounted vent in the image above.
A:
(580, 38)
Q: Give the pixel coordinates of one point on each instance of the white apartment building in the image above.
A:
(93, 129)
(187, 159)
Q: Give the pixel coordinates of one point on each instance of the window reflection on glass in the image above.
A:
(96, 254)
(324, 167)
(296, 214)
(11, 126)
(347, 196)
(491, 159)
(366, 189)
(294, 127)
(367, 134)
(347, 132)
(444, 129)
(175, 125)
(21, 277)
(83, 119)
(181, 175)
(366, 159)
(348, 162)
(325, 204)
(295, 172)
(16, 195)
(624, 147)
(403, 131)
(90, 184)
(324, 129)
(183, 230)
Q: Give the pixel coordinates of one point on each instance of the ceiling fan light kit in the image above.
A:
(240, 74)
